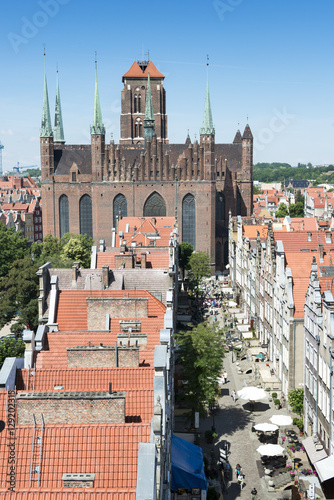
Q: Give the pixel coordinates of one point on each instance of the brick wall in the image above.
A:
(101, 357)
(71, 407)
(98, 307)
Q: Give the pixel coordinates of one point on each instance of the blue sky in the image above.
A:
(270, 60)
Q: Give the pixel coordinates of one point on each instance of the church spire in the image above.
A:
(58, 131)
(46, 128)
(149, 116)
(97, 127)
(207, 127)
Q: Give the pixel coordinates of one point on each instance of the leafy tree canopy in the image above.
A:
(19, 292)
(296, 400)
(282, 210)
(185, 252)
(279, 172)
(201, 353)
(62, 253)
(11, 348)
(296, 209)
(13, 246)
(199, 268)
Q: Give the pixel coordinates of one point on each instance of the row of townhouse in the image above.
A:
(24, 217)
(318, 202)
(20, 206)
(91, 407)
(283, 278)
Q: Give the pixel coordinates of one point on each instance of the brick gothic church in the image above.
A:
(86, 187)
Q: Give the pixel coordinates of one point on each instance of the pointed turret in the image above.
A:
(207, 127)
(188, 140)
(58, 131)
(237, 138)
(46, 128)
(97, 127)
(97, 132)
(149, 116)
(247, 133)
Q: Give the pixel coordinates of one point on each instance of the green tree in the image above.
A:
(77, 247)
(11, 348)
(13, 246)
(282, 210)
(296, 209)
(19, 292)
(257, 190)
(199, 268)
(185, 252)
(296, 400)
(200, 353)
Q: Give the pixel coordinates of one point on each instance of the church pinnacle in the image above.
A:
(46, 129)
(207, 127)
(149, 116)
(97, 127)
(58, 131)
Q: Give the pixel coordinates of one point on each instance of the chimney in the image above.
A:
(309, 236)
(75, 269)
(143, 260)
(110, 387)
(328, 237)
(154, 221)
(321, 252)
(105, 276)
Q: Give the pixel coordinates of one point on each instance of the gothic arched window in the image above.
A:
(86, 218)
(155, 206)
(120, 207)
(135, 107)
(220, 206)
(238, 203)
(64, 220)
(139, 103)
(189, 219)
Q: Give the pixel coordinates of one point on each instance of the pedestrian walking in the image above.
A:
(225, 377)
(238, 470)
(234, 395)
(254, 493)
(241, 480)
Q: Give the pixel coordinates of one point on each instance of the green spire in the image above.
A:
(149, 116)
(58, 131)
(46, 129)
(207, 127)
(97, 127)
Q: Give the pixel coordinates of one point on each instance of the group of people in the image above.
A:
(240, 478)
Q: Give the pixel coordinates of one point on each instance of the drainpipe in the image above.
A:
(116, 354)
(317, 338)
(294, 355)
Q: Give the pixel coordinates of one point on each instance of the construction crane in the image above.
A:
(1, 148)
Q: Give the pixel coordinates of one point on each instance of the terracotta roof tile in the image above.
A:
(136, 72)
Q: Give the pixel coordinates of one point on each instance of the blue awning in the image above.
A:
(187, 465)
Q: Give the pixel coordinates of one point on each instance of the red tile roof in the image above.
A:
(80, 379)
(110, 451)
(72, 306)
(136, 72)
(250, 231)
(72, 494)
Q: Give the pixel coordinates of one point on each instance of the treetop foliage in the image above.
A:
(199, 268)
(11, 348)
(201, 353)
(13, 246)
(279, 172)
(296, 400)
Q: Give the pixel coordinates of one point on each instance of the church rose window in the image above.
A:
(64, 224)
(155, 206)
(189, 219)
(120, 207)
(86, 219)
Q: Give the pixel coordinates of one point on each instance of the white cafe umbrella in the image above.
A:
(231, 303)
(271, 450)
(252, 393)
(281, 420)
(265, 427)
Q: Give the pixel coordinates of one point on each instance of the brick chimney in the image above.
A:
(309, 236)
(75, 269)
(105, 276)
(143, 260)
(321, 252)
(328, 237)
